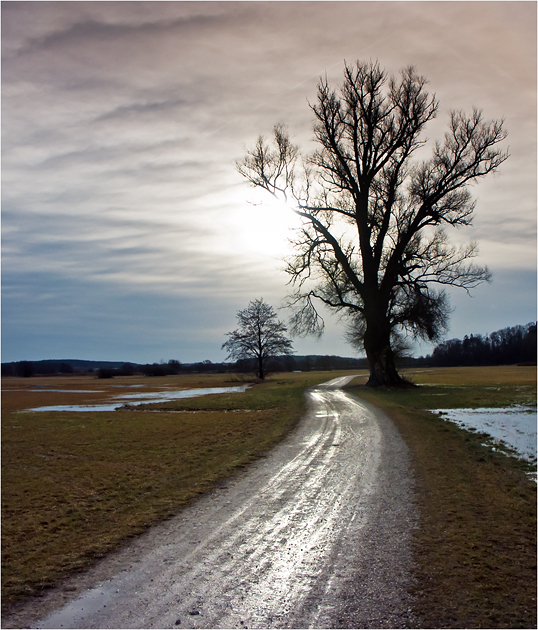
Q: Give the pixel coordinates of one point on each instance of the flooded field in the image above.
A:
(136, 400)
(512, 426)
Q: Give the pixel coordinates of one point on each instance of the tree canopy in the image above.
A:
(373, 244)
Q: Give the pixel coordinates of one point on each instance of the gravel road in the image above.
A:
(317, 534)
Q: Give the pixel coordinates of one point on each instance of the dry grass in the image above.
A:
(476, 544)
(484, 376)
(78, 484)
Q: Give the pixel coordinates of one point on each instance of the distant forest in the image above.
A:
(109, 369)
(503, 347)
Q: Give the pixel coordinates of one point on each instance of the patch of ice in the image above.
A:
(515, 426)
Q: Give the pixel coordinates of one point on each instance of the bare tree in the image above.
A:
(373, 245)
(260, 336)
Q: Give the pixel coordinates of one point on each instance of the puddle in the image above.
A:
(90, 602)
(145, 398)
(123, 386)
(109, 407)
(70, 391)
(515, 426)
(182, 393)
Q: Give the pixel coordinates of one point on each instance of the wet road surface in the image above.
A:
(314, 535)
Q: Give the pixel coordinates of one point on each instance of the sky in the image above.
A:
(128, 234)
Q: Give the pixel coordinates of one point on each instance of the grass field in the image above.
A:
(76, 485)
(476, 545)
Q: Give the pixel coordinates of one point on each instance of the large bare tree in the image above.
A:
(373, 245)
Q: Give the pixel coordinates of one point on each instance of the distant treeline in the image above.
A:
(503, 347)
(109, 369)
(29, 368)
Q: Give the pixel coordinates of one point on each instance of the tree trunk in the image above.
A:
(261, 373)
(381, 357)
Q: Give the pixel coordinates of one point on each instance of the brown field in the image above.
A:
(19, 394)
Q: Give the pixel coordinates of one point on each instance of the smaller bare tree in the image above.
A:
(260, 336)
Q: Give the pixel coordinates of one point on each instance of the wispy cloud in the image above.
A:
(122, 121)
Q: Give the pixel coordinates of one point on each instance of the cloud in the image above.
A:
(122, 122)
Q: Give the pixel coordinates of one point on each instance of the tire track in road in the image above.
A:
(298, 540)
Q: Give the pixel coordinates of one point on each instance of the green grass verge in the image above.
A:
(77, 485)
(475, 548)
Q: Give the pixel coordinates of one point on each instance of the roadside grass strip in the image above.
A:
(475, 547)
(76, 485)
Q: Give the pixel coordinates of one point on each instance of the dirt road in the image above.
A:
(315, 535)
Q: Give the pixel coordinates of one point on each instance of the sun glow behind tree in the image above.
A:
(265, 224)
